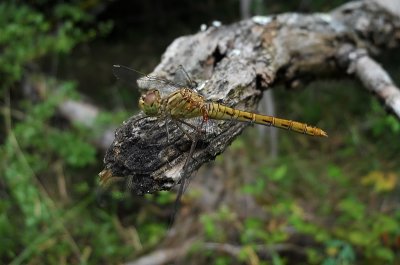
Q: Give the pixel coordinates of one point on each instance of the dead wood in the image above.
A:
(242, 60)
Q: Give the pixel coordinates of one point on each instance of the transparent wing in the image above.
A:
(208, 129)
(144, 82)
(164, 86)
(183, 79)
(126, 74)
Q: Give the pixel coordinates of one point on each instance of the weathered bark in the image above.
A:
(239, 62)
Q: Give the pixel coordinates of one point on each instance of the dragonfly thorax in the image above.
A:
(150, 102)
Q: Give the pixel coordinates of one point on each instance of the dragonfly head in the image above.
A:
(150, 102)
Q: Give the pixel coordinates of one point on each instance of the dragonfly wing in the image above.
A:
(144, 82)
(183, 79)
(210, 128)
(164, 86)
(126, 74)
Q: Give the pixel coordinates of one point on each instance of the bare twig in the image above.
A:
(372, 76)
(163, 256)
(86, 114)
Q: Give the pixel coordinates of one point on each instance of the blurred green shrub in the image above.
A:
(37, 146)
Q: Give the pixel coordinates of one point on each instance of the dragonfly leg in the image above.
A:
(147, 136)
(197, 129)
(183, 130)
(183, 181)
(188, 124)
(167, 129)
(185, 176)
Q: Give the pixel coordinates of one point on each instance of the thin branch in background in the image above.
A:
(86, 114)
(371, 74)
(164, 256)
(245, 6)
(267, 103)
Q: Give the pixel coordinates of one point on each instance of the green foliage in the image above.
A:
(23, 170)
(152, 233)
(213, 223)
(327, 191)
(222, 260)
(36, 150)
(339, 253)
(209, 227)
(161, 198)
(27, 34)
(381, 122)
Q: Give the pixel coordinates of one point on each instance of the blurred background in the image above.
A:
(308, 201)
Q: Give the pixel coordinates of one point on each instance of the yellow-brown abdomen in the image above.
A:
(221, 112)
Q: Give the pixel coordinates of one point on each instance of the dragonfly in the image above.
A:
(179, 101)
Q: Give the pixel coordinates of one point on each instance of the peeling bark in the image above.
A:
(239, 62)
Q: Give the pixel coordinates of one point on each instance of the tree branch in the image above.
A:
(372, 76)
(164, 256)
(86, 114)
(241, 60)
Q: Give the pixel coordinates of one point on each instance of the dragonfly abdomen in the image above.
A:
(221, 112)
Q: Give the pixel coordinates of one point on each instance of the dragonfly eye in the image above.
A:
(149, 98)
(150, 102)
